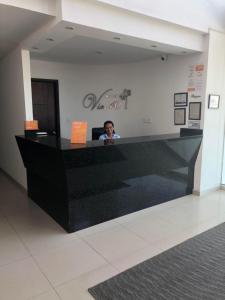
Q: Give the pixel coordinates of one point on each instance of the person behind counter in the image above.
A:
(109, 132)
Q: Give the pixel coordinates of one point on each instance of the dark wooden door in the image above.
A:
(46, 105)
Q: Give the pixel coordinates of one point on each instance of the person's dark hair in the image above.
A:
(109, 122)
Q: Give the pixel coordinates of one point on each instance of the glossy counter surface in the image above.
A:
(64, 144)
(83, 185)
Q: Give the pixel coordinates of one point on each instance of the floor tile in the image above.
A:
(47, 296)
(97, 228)
(136, 257)
(134, 215)
(176, 239)
(66, 263)
(154, 210)
(78, 288)
(74, 262)
(152, 228)
(22, 280)
(187, 233)
(39, 231)
(16, 205)
(115, 243)
(14, 200)
(192, 213)
(11, 248)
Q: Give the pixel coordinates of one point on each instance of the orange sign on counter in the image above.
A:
(79, 132)
(31, 125)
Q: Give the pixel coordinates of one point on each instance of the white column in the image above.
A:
(27, 84)
(213, 128)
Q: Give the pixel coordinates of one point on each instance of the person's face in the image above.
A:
(109, 129)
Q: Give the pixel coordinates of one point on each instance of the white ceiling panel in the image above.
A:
(16, 24)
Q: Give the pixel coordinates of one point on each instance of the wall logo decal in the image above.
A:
(107, 100)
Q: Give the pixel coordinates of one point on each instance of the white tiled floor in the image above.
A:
(39, 261)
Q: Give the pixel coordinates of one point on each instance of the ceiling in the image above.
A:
(72, 43)
(86, 50)
(91, 46)
(79, 45)
(16, 24)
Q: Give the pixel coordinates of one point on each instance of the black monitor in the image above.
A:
(96, 132)
(190, 131)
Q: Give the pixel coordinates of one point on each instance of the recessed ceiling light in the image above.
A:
(50, 39)
(116, 38)
(35, 48)
(69, 28)
(98, 52)
(154, 46)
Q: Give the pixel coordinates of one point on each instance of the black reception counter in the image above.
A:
(81, 185)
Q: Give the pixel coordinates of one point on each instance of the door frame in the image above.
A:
(56, 100)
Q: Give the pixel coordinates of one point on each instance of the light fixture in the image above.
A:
(50, 39)
(69, 28)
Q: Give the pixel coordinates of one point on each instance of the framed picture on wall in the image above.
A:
(214, 101)
(195, 110)
(179, 116)
(180, 99)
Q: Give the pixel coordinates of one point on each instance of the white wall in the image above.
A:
(152, 83)
(77, 81)
(159, 82)
(200, 14)
(212, 150)
(12, 114)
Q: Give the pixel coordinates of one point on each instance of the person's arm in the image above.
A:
(102, 137)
